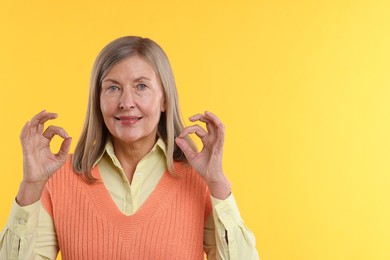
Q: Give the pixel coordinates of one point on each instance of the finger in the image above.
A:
(217, 123)
(213, 118)
(199, 117)
(185, 148)
(52, 130)
(25, 131)
(213, 123)
(207, 116)
(202, 118)
(194, 129)
(65, 147)
(38, 120)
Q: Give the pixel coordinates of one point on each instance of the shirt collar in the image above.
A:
(109, 149)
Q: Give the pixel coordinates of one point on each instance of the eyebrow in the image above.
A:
(142, 78)
(136, 80)
(110, 80)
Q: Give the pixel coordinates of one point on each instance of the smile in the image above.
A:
(128, 120)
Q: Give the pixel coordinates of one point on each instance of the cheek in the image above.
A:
(105, 106)
(102, 106)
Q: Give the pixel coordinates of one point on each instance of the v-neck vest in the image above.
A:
(88, 224)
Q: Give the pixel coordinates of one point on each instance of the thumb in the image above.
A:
(185, 147)
(65, 147)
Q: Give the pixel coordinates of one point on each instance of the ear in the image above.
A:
(163, 105)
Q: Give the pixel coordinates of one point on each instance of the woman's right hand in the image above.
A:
(39, 163)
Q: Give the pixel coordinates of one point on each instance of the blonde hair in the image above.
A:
(95, 133)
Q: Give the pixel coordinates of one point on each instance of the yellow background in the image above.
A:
(302, 87)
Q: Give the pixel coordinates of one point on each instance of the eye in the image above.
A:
(141, 86)
(113, 88)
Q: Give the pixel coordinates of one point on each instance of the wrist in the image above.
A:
(220, 190)
(29, 193)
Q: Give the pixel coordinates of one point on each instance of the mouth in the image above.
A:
(128, 120)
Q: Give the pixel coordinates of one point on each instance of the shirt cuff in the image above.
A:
(24, 220)
(226, 211)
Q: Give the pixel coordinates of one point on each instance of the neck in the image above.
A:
(129, 155)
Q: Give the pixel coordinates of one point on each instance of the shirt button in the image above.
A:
(138, 175)
(22, 221)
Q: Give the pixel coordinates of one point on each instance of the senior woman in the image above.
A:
(135, 187)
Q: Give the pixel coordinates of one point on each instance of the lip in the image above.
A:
(128, 120)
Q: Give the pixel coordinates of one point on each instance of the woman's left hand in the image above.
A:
(208, 162)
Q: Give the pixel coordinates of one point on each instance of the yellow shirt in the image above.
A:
(30, 232)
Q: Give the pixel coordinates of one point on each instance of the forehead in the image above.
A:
(130, 68)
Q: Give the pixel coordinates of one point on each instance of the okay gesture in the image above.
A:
(207, 162)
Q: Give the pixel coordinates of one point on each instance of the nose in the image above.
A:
(126, 101)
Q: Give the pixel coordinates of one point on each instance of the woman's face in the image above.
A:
(131, 101)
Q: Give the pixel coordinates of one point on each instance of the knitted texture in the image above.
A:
(169, 225)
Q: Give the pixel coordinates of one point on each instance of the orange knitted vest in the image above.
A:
(169, 225)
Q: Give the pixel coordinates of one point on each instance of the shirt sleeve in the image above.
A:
(225, 235)
(28, 234)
